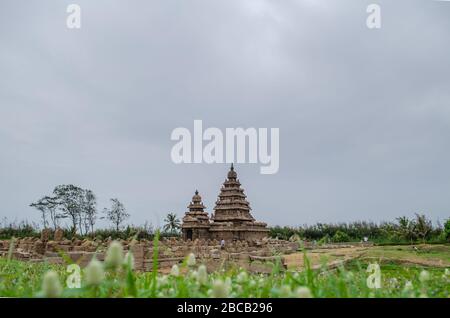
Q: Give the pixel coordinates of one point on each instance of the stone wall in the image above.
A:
(170, 251)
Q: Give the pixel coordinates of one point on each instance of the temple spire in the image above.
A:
(232, 175)
(196, 220)
(232, 204)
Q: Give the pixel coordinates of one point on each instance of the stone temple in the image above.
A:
(231, 219)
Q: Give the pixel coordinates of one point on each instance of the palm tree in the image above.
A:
(423, 226)
(406, 228)
(172, 223)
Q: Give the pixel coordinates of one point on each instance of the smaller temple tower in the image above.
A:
(196, 221)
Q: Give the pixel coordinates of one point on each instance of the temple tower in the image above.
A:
(196, 221)
(232, 206)
(232, 219)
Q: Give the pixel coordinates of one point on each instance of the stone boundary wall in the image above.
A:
(251, 256)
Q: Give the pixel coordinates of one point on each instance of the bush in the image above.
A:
(446, 231)
(403, 230)
(19, 230)
(324, 240)
(141, 232)
(283, 233)
(25, 229)
(340, 237)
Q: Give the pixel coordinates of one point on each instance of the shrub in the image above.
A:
(403, 230)
(22, 229)
(324, 240)
(340, 237)
(446, 231)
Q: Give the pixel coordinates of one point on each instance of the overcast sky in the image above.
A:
(364, 115)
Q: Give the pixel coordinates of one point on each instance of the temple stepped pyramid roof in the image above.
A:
(231, 219)
(196, 216)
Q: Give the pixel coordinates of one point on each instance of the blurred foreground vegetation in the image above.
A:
(115, 277)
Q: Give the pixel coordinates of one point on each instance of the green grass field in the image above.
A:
(400, 277)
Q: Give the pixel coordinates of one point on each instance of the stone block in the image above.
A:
(59, 235)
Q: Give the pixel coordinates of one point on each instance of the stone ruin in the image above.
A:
(246, 240)
(231, 220)
(256, 257)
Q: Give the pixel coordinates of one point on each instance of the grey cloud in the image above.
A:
(363, 114)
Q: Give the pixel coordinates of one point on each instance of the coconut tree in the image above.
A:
(423, 226)
(172, 223)
(406, 228)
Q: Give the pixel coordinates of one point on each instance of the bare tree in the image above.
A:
(90, 211)
(117, 214)
(41, 206)
(52, 206)
(48, 206)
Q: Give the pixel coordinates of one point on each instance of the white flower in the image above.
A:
(190, 259)
(408, 286)
(424, 276)
(393, 282)
(303, 292)
(228, 283)
(94, 273)
(114, 255)
(202, 275)
(162, 280)
(447, 272)
(349, 276)
(285, 291)
(129, 260)
(175, 271)
(242, 277)
(51, 286)
(219, 289)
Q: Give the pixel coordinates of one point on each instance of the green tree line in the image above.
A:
(403, 229)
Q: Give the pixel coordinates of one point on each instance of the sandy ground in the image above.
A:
(423, 255)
